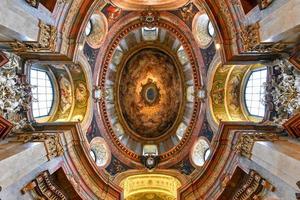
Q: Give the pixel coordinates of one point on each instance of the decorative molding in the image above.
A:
(35, 3)
(149, 18)
(43, 187)
(51, 141)
(253, 188)
(187, 12)
(143, 183)
(46, 41)
(283, 91)
(150, 161)
(137, 5)
(153, 20)
(15, 95)
(5, 128)
(263, 4)
(246, 142)
(292, 126)
(251, 41)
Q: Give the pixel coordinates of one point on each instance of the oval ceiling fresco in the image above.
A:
(150, 93)
(149, 79)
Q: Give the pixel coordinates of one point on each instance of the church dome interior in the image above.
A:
(149, 100)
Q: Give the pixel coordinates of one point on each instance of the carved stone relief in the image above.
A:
(46, 41)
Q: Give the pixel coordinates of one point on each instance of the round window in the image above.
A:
(200, 152)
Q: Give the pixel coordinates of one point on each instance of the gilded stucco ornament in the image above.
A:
(143, 184)
(46, 41)
(251, 41)
(35, 3)
(263, 4)
(284, 90)
(144, 4)
(15, 95)
(246, 142)
(187, 12)
(52, 142)
(149, 18)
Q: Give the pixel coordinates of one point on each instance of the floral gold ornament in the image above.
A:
(187, 12)
(35, 3)
(15, 95)
(46, 41)
(251, 41)
(150, 183)
(246, 142)
(52, 142)
(285, 91)
(149, 18)
(263, 4)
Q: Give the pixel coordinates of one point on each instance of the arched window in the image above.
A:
(42, 93)
(255, 92)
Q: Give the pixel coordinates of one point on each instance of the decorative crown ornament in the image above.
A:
(150, 18)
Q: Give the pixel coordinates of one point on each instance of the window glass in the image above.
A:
(255, 92)
(93, 155)
(42, 93)
(150, 34)
(88, 28)
(210, 29)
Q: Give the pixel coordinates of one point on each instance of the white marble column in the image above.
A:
(282, 23)
(19, 159)
(16, 23)
(281, 158)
